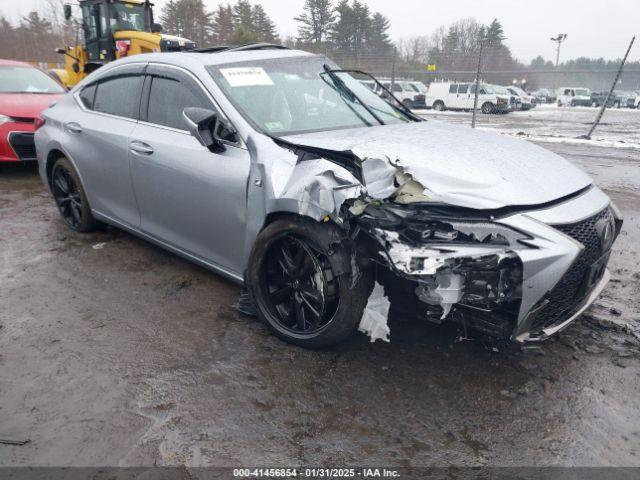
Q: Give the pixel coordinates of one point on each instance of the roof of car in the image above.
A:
(15, 63)
(231, 56)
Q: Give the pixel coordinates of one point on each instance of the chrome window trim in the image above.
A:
(76, 95)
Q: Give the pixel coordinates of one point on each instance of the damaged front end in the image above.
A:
(518, 273)
(438, 268)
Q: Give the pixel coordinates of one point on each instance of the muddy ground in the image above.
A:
(115, 352)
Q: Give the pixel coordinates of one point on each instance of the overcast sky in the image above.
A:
(595, 28)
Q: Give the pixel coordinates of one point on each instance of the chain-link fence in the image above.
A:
(551, 103)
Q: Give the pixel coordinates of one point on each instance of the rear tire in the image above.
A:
(438, 106)
(302, 286)
(407, 103)
(70, 197)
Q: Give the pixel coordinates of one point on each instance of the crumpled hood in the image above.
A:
(459, 165)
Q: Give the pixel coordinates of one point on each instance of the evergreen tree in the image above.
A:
(189, 19)
(243, 15)
(316, 21)
(243, 35)
(378, 36)
(222, 28)
(361, 25)
(263, 25)
(495, 34)
(342, 33)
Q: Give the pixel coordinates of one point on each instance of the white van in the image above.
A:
(405, 92)
(574, 96)
(460, 96)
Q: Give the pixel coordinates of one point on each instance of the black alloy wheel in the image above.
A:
(67, 196)
(300, 278)
(70, 197)
(299, 286)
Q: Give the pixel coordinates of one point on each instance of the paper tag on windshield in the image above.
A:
(246, 76)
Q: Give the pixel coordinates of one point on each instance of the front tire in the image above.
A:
(70, 197)
(487, 108)
(301, 281)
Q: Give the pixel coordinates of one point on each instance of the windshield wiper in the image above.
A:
(350, 93)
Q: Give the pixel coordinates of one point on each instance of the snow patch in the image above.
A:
(375, 315)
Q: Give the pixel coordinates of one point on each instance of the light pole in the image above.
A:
(559, 39)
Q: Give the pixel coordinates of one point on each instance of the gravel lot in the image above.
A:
(115, 352)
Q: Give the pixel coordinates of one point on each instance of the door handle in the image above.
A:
(73, 127)
(140, 147)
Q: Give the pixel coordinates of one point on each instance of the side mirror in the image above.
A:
(156, 28)
(67, 11)
(203, 124)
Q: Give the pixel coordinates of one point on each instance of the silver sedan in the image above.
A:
(335, 207)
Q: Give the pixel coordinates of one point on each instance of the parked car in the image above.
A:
(419, 101)
(574, 96)
(524, 101)
(405, 92)
(24, 92)
(624, 98)
(598, 98)
(460, 96)
(544, 95)
(287, 175)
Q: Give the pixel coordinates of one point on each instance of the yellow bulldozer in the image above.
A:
(113, 29)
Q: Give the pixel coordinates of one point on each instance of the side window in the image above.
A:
(463, 88)
(453, 88)
(87, 95)
(567, 92)
(119, 96)
(397, 87)
(89, 26)
(168, 98)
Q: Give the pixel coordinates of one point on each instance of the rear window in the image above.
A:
(86, 96)
(119, 96)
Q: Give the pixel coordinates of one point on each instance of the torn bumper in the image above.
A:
(548, 272)
(546, 332)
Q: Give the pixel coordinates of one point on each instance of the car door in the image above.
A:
(465, 100)
(189, 197)
(97, 140)
(452, 98)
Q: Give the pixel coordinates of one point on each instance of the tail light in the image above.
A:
(38, 122)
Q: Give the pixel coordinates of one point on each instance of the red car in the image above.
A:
(25, 92)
